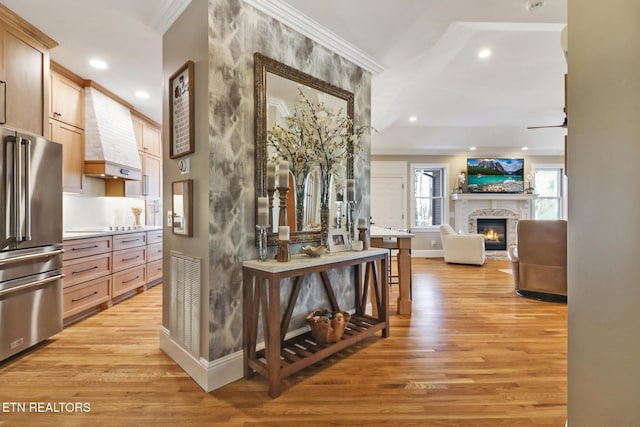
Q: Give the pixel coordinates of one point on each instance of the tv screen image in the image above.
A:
(495, 175)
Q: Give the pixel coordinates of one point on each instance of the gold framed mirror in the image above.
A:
(277, 88)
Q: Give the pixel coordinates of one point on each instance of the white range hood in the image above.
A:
(110, 149)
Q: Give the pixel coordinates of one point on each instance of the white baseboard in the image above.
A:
(208, 375)
(427, 253)
(220, 372)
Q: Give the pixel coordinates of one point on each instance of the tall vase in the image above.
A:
(324, 224)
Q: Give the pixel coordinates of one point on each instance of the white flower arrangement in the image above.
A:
(315, 136)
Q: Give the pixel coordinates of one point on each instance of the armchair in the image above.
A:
(539, 260)
(462, 248)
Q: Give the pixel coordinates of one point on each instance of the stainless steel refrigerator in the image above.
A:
(30, 241)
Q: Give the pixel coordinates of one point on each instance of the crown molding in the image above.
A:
(306, 26)
(167, 14)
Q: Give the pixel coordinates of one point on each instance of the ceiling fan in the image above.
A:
(563, 125)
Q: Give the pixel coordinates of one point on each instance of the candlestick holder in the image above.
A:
(362, 236)
(350, 206)
(283, 254)
(282, 193)
(262, 242)
(270, 194)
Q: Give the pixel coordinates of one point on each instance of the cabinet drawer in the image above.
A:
(129, 258)
(127, 280)
(154, 237)
(85, 247)
(130, 240)
(86, 268)
(154, 252)
(154, 271)
(86, 295)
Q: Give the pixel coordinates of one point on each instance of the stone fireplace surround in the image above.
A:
(467, 208)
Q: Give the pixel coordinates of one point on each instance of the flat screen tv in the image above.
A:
(495, 175)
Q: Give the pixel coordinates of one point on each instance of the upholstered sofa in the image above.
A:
(462, 248)
(539, 259)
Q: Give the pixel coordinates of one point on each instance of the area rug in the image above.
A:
(506, 270)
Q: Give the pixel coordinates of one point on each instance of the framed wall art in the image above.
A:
(181, 115)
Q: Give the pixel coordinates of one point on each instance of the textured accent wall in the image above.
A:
(236, 31)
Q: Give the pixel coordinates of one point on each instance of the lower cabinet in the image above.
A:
(99, 270)
(80, 297)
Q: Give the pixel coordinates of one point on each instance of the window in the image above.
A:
(428, 191)
(547, 183)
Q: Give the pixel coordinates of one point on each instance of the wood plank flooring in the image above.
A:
(472, 354)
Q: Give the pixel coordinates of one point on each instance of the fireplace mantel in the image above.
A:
(468, 207)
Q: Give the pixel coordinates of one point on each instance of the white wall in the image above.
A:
(92, 210)
(423, 245)
(604, 208)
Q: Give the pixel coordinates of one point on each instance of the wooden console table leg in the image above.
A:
(384, 290)
(273, 344)
(251, 294)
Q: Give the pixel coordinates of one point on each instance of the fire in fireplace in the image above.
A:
(495, 233)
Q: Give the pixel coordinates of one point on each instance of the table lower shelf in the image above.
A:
(302, 351)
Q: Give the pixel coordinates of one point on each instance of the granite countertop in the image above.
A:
(88, 232)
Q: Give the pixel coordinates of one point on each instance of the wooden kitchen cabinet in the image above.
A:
(24, 73)
(102, 270)
(72, 140)
(87, 266)
(66, 99)
(154, 257)
(129, 263)
(148, 136)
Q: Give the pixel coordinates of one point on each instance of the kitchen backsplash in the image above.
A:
(92, 209)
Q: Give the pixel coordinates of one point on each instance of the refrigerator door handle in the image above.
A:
(48, 254)
(11, 184)
(31, 285)
(27, 189)
(17, 193)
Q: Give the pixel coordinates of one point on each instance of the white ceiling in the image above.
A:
(427, 49)
(127, 34)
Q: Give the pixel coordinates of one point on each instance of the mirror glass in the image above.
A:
(280, 93)
(182, 207)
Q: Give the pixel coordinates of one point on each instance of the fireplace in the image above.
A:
(495, 233)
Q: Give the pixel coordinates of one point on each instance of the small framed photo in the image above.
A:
(338, 240)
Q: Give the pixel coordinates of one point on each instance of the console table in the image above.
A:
(261, 299)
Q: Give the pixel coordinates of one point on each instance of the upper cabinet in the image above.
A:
(24, 74)
(147, 136)
(67, 100)
(66, 121)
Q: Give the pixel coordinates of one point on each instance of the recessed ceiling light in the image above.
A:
(99, 64)
(413, 119)
(525, 148)
(472, 148)
(142, 94)
(484, 53)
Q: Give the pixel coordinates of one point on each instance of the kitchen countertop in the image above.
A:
(84, 233)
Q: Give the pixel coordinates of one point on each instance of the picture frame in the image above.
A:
(338, 240)
(181, 114)
(182, 207)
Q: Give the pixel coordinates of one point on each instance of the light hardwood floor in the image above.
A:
(472, 354)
